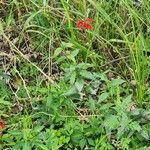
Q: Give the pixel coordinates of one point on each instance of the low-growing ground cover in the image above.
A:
(74, 75)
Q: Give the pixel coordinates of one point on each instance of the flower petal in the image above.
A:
(88, 26)
(80, 24)
(2, 124)
(88, 20)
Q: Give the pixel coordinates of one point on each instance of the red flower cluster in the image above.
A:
(83, 25)
(2, 124)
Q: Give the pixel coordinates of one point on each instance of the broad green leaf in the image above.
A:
(18, 145)
(84, 66)
(111, 122)
(123, 124)
(72, 55)
(82, 143)
(38, 128)
(79, 85)
(125, 143)
(103, 97)
(67, 45)
(135, 126)
(26, 146)
(87, 75)
(145, 134)
(91, 141)
(73, 90)
(73, 77)
(127, 100)
(106, 106)
(116, 82)
(103, 76)
(92, 104)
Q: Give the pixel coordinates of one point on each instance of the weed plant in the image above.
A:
(74, 74)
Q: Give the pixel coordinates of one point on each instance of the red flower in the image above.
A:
(80, 24)
(83, 25)
(2, 124)
(88, 26)
(88, 20)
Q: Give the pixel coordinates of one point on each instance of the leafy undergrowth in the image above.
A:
(74, 75)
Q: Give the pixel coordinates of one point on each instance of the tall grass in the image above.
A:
(72, 88)
(131, 35)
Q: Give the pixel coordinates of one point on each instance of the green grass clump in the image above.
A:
(66, 88)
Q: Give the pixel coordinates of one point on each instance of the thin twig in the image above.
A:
(23, 56)
(110, 62)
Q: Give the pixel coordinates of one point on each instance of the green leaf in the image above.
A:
(57, 51)
(103, 97)
(71, 91)
(73, 77)
(111, 122)
(106, 106)
(127, 100)
(79, 85)
(116, 82)
(92, 104)
(87, 75)
(91, 142)
(123, 124)
(42, 146)
(135, 126)
(82, 143)
(18, 145)
(2, 101)
(144, 133)
(103, 76)
(117, 41)
(73, 55)
(143, 148)
(38, 128)
(15, 132)
(67, 45)
(147, 44)
(26, 146)
(26, 24)
(125, 143)
(84, 66)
